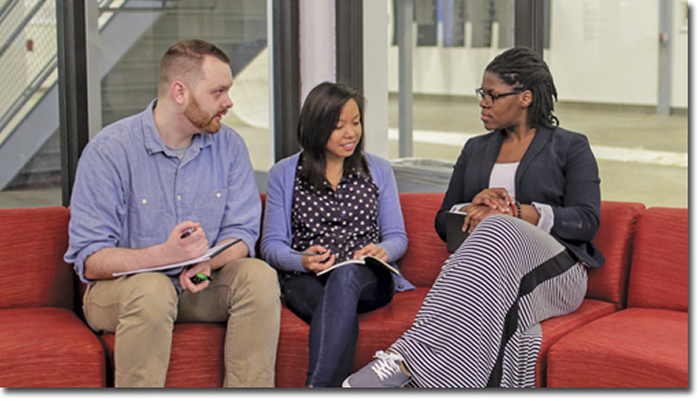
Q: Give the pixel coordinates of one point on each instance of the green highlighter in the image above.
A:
(199, 277)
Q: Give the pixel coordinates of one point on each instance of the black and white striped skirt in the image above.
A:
(479, 323)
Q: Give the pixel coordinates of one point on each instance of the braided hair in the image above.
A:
(523, 68)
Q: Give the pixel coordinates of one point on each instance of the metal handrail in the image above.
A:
(104, 7)
(42, 75)
(7, 9)
(32, 88)
(10, 112)
(21, 26)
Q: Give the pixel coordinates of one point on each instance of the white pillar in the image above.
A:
(375, 46)
(316, 43)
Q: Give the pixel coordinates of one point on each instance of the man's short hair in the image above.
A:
(183, 60)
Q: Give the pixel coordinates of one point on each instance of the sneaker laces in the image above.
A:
(386, 364)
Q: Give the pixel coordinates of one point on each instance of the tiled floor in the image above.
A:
(642, 156)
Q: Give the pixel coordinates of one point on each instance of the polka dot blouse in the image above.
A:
(342, 220)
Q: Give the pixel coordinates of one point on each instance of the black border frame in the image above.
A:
(74, 128)
(286, 80)
(530, 24)
(349, 36)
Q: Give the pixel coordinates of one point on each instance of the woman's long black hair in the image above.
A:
(319, 117)
(523, 68)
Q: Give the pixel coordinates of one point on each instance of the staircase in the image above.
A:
(133, 43)
(238, 27)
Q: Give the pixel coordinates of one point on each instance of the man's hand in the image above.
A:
(191, 246)
(186, 275)
(102, 264)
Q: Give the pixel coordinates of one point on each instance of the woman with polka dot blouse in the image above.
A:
(333, 202)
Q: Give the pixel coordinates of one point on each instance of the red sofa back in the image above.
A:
(32, 247)
(659, 273)
(426, 251)
(614, 240)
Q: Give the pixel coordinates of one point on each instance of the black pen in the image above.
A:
(304, 253)
(188, 232)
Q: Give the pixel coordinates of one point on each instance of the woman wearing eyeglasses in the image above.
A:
(531, 194)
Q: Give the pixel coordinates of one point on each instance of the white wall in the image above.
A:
(605, 51)
(376, 118)
(317, 58)
(316, 43)
(601, 51)
(679, 87)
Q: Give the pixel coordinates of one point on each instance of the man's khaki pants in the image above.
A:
(142, 308)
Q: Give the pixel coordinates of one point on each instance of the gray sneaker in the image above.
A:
(384, 371)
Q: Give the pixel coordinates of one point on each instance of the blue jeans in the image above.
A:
(330, 304)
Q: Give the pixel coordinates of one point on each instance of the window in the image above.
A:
(604, 57)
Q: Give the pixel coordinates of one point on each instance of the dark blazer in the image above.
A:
(558, 169)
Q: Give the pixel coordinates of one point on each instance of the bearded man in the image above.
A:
(162, 187)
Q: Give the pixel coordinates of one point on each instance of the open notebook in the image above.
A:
(175, 268)
(366, 260)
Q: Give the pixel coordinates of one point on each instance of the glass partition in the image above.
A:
(30, 157)
(133, 35)
(445, 113)
(605, 58)
(238, 27)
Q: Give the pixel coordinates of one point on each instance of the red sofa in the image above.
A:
(44, 343)
(421, 265)
(645, 344)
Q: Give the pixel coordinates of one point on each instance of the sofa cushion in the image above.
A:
(197, 356)
(34, 273)
(378, 330)
(426, 251)
(614, 240)
(48, 347)
(636, 347)
(555, 328)
(659, 274)
(292, 351)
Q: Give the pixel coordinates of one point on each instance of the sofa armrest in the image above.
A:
(32, 248)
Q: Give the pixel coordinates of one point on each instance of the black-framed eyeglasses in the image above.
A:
(491, 97)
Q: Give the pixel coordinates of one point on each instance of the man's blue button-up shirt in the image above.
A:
(130, 190)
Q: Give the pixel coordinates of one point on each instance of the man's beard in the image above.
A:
(201, 119)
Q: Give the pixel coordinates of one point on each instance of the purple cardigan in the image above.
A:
(276, 241)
